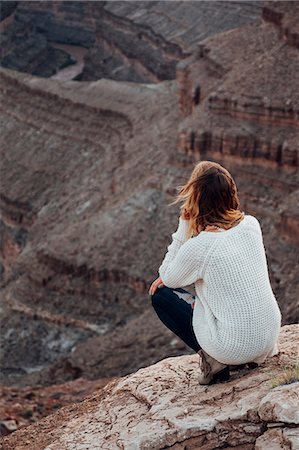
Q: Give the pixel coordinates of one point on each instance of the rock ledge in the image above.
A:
(163, 406)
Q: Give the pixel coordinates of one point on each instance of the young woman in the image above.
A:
(234, 317)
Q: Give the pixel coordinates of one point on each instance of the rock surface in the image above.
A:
(163, 406)
(25, 48)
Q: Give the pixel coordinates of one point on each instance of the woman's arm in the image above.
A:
(179, 237)
(183, 262)
(182, 267)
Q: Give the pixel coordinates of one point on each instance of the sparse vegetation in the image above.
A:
(289, 374)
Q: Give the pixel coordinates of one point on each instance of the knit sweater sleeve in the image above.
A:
(181, 265)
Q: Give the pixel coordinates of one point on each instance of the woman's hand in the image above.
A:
(185, 215)
(157, 283)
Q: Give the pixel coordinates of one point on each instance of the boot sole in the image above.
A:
(222, 375)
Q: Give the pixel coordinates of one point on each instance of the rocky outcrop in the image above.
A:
(163, 406)
(132, 43)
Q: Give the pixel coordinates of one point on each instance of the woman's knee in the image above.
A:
(163, 298)
(157, 297)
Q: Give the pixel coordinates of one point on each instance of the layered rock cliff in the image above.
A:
(77, 176)
(244, 104)
(163, 406)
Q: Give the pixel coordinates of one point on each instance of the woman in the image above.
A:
(235, 318)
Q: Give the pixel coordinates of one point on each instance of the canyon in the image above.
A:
(89, 166)
(125, 41)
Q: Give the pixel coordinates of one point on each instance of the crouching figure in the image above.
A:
(233, 319)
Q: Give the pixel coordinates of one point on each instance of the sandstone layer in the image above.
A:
(163, 406)
(244, 104)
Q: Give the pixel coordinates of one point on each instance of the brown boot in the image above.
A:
(210, 369)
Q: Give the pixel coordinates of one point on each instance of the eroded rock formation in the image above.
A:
(25, 47)
(163, 406)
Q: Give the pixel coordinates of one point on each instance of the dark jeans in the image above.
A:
(176, 314)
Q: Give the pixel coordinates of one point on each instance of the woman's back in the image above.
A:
(236, 316)
(240, 266)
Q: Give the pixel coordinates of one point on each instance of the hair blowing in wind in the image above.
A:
(209, 197)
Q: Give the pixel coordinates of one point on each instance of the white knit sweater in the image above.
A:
(236, 318)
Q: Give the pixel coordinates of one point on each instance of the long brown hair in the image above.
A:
(209, 197)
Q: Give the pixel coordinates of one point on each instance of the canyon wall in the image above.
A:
(77, 177)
